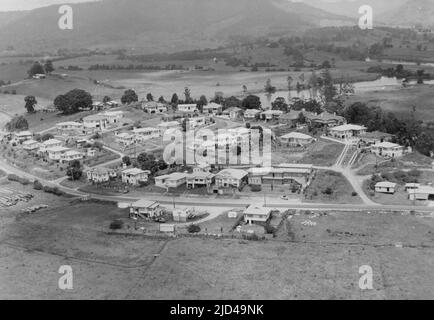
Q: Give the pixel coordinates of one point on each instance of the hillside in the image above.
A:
(159, 25)
(411, 13)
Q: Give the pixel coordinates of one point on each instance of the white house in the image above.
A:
(143, 134)
(23, 136)
(154, 107)
(100, 174)
(135, 176)
(388, 150)
(385, 187)
(202, 179)
(213, 108)
(146, 209)
(71, 155)
(423, 193)
(251, 114)
(97, 122)
(51, 143)
(125, 139)
(255, 214)
(347, 131)
(56, 153)
(297, 139)
(230, 178)
(113, 117)
(233, 112)
(173, 180)
(271, 115)
(70, 127)
(187, 107)
(196, 122)
(31, 145)
(410, 187)
(202, 168)
(163, 127)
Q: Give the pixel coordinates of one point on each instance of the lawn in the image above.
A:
(331, 187)
(323, 153)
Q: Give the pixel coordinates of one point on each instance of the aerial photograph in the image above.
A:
(216, 150)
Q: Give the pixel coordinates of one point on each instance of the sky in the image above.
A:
(11, 5)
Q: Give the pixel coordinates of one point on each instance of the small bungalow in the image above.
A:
(135, 176)
(56, 153)
(196, 122)
(233, 113)
(388, 150)
(146, 209)
(291, 118)
(100, 175)
(187, 108)
(71, 155)
(31, 145)
(170, 125)
(325, 119)
(68, 128)
(23, 136)
(423, 193)
(385, 187)
(252, 114)
(375, 137)
(153, 107)
(410, 187)
(297, 139)
(254, 214)
(202, 168)
(113, 117)
(125, 139)
(144, 134)
(270, 115)
(347, 131)
(173, 180)
(212, 108)
(97, 122)
(51, 143)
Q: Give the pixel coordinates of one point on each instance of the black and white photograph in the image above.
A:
(216, 155)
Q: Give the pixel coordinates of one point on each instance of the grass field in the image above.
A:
(320, 262)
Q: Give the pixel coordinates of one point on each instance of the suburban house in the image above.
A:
(154, 107)
(90, 152)
(71, 155)
(112, 104)
(228, 178)
(56, 153)
(52, 143)
(135, 176)
(254, 214)
(31, 145)
(283, 178)
(23, 136)
(189, 108)
(347, 131)
(202, 168)
(423, 193)
(410, 187)
(388, 150)
(251, 114)
(233, 113)
(173, 180)
(70, 127)
(291, 118)
(213, 108)
(146, 209)
(385, 187)
(202, 179)
(270, 115)
(100, 174)
(297, 139)
(125, 139)
(375, 137)
(196, 122)
(143, 134)
(163, 127)
(96, 122)
(113, 117)
(324, 119)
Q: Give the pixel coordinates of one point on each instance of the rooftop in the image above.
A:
(134, 171)
(258, 210)
(387, 145)
(385, 184)
(232, 173)
(348, 127)
(145, 204)
(297, 135)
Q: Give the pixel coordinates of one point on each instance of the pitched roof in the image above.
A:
(385, 184)
(232, 173)
(134, 171)
(258, 210)
(348, 127)
(387, 145)
(296, 135)
(143, 203)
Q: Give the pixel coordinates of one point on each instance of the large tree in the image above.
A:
(17, 123)
(36, 68)
(251, 102)
(48, 66)
(129, 96)
(73, 101)
(74, 170)
(30, 103)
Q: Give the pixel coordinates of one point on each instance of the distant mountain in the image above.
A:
(411, 13)
(160, 25)
(351, 8)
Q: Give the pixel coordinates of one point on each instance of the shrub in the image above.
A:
(255, 188)
(37, 185)
(54, 191)
(116, 224)
(269, 229)
(193, 228)
(328, 191)
(354, 194)
(15, 178)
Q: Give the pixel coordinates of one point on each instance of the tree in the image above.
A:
(149, 97)
(129, 96)
(269, 88)
(289, 82)
(30, 104)
(280, 104)
(175, 99)
(74, 170)
(48, 66)
(187, 94)
(126, 160)
(232, 102)
(18, 123)
(147, 162)
(46, 137)
(36, 68)
(328, 91)
(106, 99)
(251, 102)
(161, 99)
(326, 65)
(73, 101)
